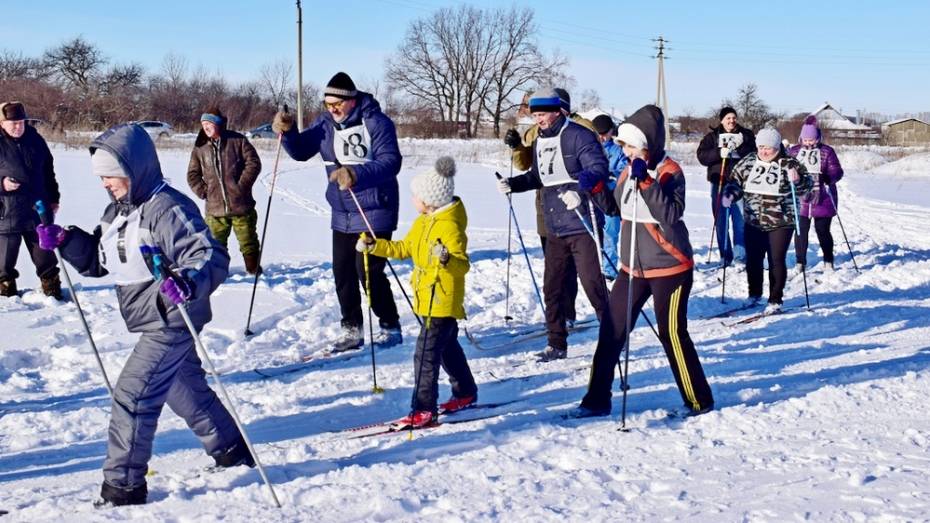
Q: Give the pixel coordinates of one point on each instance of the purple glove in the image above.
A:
(638, 170)
(590, 181)
(51, 236)
(178, 294)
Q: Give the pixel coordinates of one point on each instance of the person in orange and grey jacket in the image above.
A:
(222, 171)
(27, 175)
(662, 266)
(720, 151)
(522, 156)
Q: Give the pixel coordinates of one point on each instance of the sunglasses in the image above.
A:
(334, 105)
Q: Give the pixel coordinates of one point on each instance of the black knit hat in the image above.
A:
(603, 124)
(341, 86)
(725, 111)
(13, 111)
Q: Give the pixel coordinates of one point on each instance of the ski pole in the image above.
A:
(629, 304)
(261, 245)
(161, 272)
(371, 326)
(797, 230)
(507, 316)
(43, 216)
(726, 238)
(843, 229)
(713, 231)
(513, 216)
(388, 262)
(614, 266)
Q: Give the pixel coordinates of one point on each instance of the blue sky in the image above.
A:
(873, 56)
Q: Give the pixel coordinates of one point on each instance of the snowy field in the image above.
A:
(822, 414)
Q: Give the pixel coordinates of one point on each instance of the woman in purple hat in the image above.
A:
(821, 203)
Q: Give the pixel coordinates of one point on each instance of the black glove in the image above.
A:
(512, 138)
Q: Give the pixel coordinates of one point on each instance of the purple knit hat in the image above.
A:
(810, 130)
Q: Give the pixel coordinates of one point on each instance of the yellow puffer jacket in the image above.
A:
(448, 225)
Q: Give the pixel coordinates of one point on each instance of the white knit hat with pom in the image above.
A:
(435, 187)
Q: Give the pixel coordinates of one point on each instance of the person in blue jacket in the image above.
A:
(358, 144)
(569, 166)
(616, 161)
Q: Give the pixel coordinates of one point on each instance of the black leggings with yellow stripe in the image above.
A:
(670, 295)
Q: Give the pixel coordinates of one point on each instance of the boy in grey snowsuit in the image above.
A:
(164, 366)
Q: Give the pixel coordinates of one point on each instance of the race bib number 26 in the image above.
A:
(810, 159)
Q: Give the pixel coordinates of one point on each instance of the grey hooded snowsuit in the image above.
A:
(164, 366)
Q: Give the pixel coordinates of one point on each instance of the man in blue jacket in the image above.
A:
(569, 166)
(358, 144)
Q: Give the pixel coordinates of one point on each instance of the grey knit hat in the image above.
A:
(435, 187)
(769, 137)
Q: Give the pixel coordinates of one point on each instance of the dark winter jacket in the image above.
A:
(763, 211)
(153, 213)
(818, 203)
(708, 152)
(663, 247)
(522, 157)
(27, 160)
(225, 185)
(580, 151)
(376, 189)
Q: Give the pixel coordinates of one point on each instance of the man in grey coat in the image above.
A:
(164, 366)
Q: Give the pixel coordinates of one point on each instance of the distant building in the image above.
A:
(840, 129)
(906, 131)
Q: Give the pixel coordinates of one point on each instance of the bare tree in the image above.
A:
(76, 62)
(174, 70)
(590, 99)
(753, 112)
(277, 81)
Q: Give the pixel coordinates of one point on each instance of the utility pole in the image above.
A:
(661, 93)
(300, 68)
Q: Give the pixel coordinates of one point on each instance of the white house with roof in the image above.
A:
(836, 126)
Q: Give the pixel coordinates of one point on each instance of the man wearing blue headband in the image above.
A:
(222, 170)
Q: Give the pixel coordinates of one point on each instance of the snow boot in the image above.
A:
(456, 404)
(417, 420)
(581, 411)
(8, 288)
(388, 337)
(798, 269)
(752, 301)
(251, 264)
(111, 496)
(352, 339)
(234, 456)
(828, 267)
(551, 354)
(772, 308)
(51, 286)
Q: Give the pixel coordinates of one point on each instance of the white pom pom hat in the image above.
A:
(435, 187)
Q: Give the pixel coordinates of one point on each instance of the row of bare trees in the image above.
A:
(74, 85)
(466, 65)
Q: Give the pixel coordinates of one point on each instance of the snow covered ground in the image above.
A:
(822, 414)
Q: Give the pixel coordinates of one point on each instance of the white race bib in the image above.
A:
(643, 214)
(119, 250)
(810, 159)
(352, 146)
(764, 178)
(730, 140)
(549, 160)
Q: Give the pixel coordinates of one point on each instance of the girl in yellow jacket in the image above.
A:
(437, 244)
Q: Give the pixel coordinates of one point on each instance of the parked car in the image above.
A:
(156, 129)
(262, 131)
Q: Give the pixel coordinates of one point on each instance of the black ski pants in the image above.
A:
(570, 288)
(822, 227)
(670, 296)
(45, 261)
(579, 250)
(349, 273)
(773, 245)
(438, 346)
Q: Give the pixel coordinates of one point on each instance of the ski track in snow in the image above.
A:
(820, 413)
